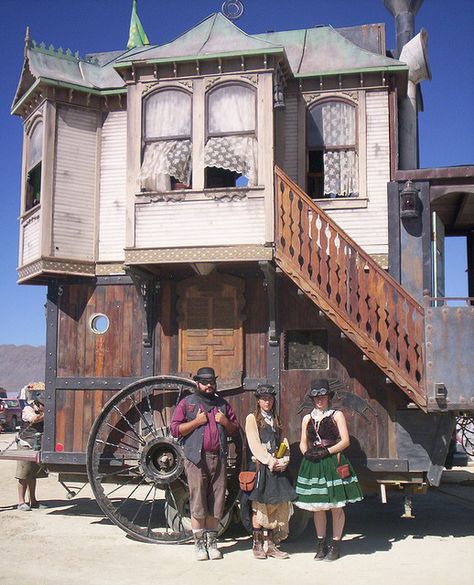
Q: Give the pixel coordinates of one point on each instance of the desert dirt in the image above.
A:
(71, 543)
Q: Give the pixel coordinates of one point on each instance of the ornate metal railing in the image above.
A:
(365, 302)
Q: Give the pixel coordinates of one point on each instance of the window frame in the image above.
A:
(146, 139)
(28, 203)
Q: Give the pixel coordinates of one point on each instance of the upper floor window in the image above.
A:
(332, 150)
(34, 156)
(230, 154)
(167, 160)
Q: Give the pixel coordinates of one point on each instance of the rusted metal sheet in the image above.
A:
(449, 332)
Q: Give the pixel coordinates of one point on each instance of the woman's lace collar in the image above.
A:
(318, 415)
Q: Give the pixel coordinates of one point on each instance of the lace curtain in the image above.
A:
(232, 109)
(163, 160)
(233, 153)
(331, 125)
(167, 114)
(340, 166)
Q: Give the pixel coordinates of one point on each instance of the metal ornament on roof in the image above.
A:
(232, 9)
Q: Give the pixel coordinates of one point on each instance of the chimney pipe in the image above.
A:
(404, 12)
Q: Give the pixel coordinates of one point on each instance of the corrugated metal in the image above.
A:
(369, 227)
(31, 238)
(74, 184)
(200, 223)
(113, 187)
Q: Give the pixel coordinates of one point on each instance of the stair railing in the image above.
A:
(363, 300)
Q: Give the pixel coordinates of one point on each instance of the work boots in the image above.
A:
(212, 550)
(258, 551)
(272, 550)
(333, 553)
(200, 549)
(322, 550)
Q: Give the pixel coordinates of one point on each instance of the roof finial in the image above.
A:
(27, 41)
(232, 9)
(137, 36)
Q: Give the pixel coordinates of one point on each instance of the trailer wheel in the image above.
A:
(136, 468)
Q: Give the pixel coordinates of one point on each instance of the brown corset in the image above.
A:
(327, 431)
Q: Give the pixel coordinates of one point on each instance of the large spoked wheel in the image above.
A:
(136, 468)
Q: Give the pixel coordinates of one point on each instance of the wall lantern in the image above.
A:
(409, 203)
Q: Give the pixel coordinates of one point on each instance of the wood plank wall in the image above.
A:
(75, 184)
(116, 353)
(113, 187)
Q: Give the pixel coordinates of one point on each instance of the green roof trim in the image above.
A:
(394, 68)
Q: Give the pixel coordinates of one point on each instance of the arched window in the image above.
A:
(167, 161)
(34, 156)
(231, 147)
(332, 161)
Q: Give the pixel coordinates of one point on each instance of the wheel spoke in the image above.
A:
(140, 439)
(140, 414)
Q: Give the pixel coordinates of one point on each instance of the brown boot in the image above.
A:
(258, 551)
(273, 551)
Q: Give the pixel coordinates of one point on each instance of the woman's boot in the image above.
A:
(258, 551)
(333, 553)
(213, 552)
(200, 549)
(322, 549)
(272, 550)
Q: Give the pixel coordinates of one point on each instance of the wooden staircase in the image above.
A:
(365, 302)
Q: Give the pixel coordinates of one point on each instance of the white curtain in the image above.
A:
(231, 109)
(35, 149)
(168, 113)
(163, 160)
(233, 153)
(340, 166)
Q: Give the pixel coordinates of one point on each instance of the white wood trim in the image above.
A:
(266, 148)
(362, 144)
(47, 178)
(134, 131)
(199, 133)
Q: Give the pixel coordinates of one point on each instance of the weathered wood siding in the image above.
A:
(165, 224)
(368, 226)
(75, 183)
(113, 187)
(290, 134)
(116, 353)
(31, 227)
(365, 407)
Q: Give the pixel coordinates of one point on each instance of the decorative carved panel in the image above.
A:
(211, 327)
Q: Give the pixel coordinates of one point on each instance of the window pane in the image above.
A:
(231, 109)
(331, 124)
(35, 145)
(168, 113)
(307, 350)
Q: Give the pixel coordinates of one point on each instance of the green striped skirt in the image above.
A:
(319, 487)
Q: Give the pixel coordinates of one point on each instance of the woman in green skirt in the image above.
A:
(319, 486)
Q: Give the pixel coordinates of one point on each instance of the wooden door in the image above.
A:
(211, 326)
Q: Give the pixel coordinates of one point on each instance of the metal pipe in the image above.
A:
(404, 12)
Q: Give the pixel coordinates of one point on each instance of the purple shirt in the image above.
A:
(211, 434)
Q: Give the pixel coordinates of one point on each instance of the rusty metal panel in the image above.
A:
(449, 335)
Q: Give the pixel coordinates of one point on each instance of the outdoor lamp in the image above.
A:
(409, 201)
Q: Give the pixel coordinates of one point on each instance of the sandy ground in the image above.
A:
(71, 543)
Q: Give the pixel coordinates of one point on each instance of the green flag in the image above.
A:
(137, 37)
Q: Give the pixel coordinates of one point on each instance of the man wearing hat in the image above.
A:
(203, 421)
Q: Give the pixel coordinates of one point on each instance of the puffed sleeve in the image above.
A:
(258, 450)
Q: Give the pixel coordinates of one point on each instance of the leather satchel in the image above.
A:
(343, 471)
(247, 480)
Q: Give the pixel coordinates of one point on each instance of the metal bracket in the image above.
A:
(146, 285)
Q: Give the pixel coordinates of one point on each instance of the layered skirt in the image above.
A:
(319, 486)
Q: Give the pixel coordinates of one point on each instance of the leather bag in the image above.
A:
(247, 480)
(343, 471)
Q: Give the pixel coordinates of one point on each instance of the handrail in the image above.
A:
(364, 301)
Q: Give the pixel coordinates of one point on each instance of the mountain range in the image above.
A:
(20, 365)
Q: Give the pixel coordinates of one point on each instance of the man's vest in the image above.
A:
(194, 441)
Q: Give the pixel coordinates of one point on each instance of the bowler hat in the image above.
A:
(205, 375)
(320, 388)
(265, 390)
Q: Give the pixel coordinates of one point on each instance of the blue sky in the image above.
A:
(446, 126)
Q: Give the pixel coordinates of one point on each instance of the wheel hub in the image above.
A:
(162, 460)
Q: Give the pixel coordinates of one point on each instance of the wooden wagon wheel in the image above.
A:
(136, 468)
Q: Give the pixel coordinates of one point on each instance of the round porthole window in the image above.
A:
(99, 323)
